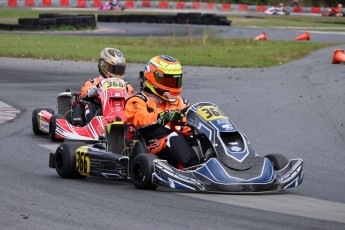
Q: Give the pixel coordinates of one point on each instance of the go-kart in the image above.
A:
(276, 11)
(332, 13)
(228, 162)
(108, 6)
(70, 123)
(108, 158)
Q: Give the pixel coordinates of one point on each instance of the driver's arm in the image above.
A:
(137, 114)
(87, 85)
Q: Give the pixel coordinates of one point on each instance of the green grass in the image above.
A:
(313, 23)
(206, 51)
(12, 15)
(209, 50)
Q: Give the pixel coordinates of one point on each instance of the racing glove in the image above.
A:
(169, 116)
(92, 91)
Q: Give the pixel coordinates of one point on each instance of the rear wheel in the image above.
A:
(141, 169)
(35, 123)
(52, 127)
(278, 161)
(65, 160)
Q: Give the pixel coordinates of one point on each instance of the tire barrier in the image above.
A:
(128, 4)
(180, 18)
(51, 21)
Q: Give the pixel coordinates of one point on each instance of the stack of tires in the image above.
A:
(180, 18)
(9, 27)
(51, 21)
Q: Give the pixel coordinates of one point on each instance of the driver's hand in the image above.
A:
(169, 116)
(92, 91)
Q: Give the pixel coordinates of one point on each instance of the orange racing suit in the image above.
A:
(142, 111)
(91, 108)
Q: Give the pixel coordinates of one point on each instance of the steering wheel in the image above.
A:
(182, 127)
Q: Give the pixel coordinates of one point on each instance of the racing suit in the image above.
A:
(93, 105)
(142, 111)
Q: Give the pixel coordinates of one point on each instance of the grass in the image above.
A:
(318, 23)
(12, 15)
(205, 51)
(196, 51)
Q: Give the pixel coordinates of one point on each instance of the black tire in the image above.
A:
(52, 127)
(278, 161)
(141, 169)
(35, 113)
(139, 147)
(65, 160)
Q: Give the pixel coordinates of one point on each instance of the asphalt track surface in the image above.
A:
(296, 109)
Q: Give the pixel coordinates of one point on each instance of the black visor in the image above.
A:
(114, 69)
(169, 80)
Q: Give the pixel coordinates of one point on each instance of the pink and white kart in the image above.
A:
(69, 123)
(109, 6)
(276, 11)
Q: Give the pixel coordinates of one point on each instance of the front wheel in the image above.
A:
(65, 160)
(278, 161)
(141, 170)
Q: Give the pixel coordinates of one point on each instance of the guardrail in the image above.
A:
(153, 4)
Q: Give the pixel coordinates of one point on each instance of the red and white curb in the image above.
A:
(7, 112)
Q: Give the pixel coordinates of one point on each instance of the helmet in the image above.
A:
(112, 63)
(163, 77)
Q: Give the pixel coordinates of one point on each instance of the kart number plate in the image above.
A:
(210, 113)
(82, 162)
(113, 84)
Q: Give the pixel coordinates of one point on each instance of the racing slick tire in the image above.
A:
(35, 118)
(278, 161)
(52, 127)
(141, 169)
(65, 160)
(139, 147)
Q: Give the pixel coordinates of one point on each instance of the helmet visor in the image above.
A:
(168, 80)
(114, 69)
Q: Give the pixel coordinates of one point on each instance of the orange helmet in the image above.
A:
(112, 63)
(163, 76)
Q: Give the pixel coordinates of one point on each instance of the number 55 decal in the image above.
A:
(82, 162)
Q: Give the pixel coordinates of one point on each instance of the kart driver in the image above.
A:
(156, 106)
(111, 63)
(338, 12)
